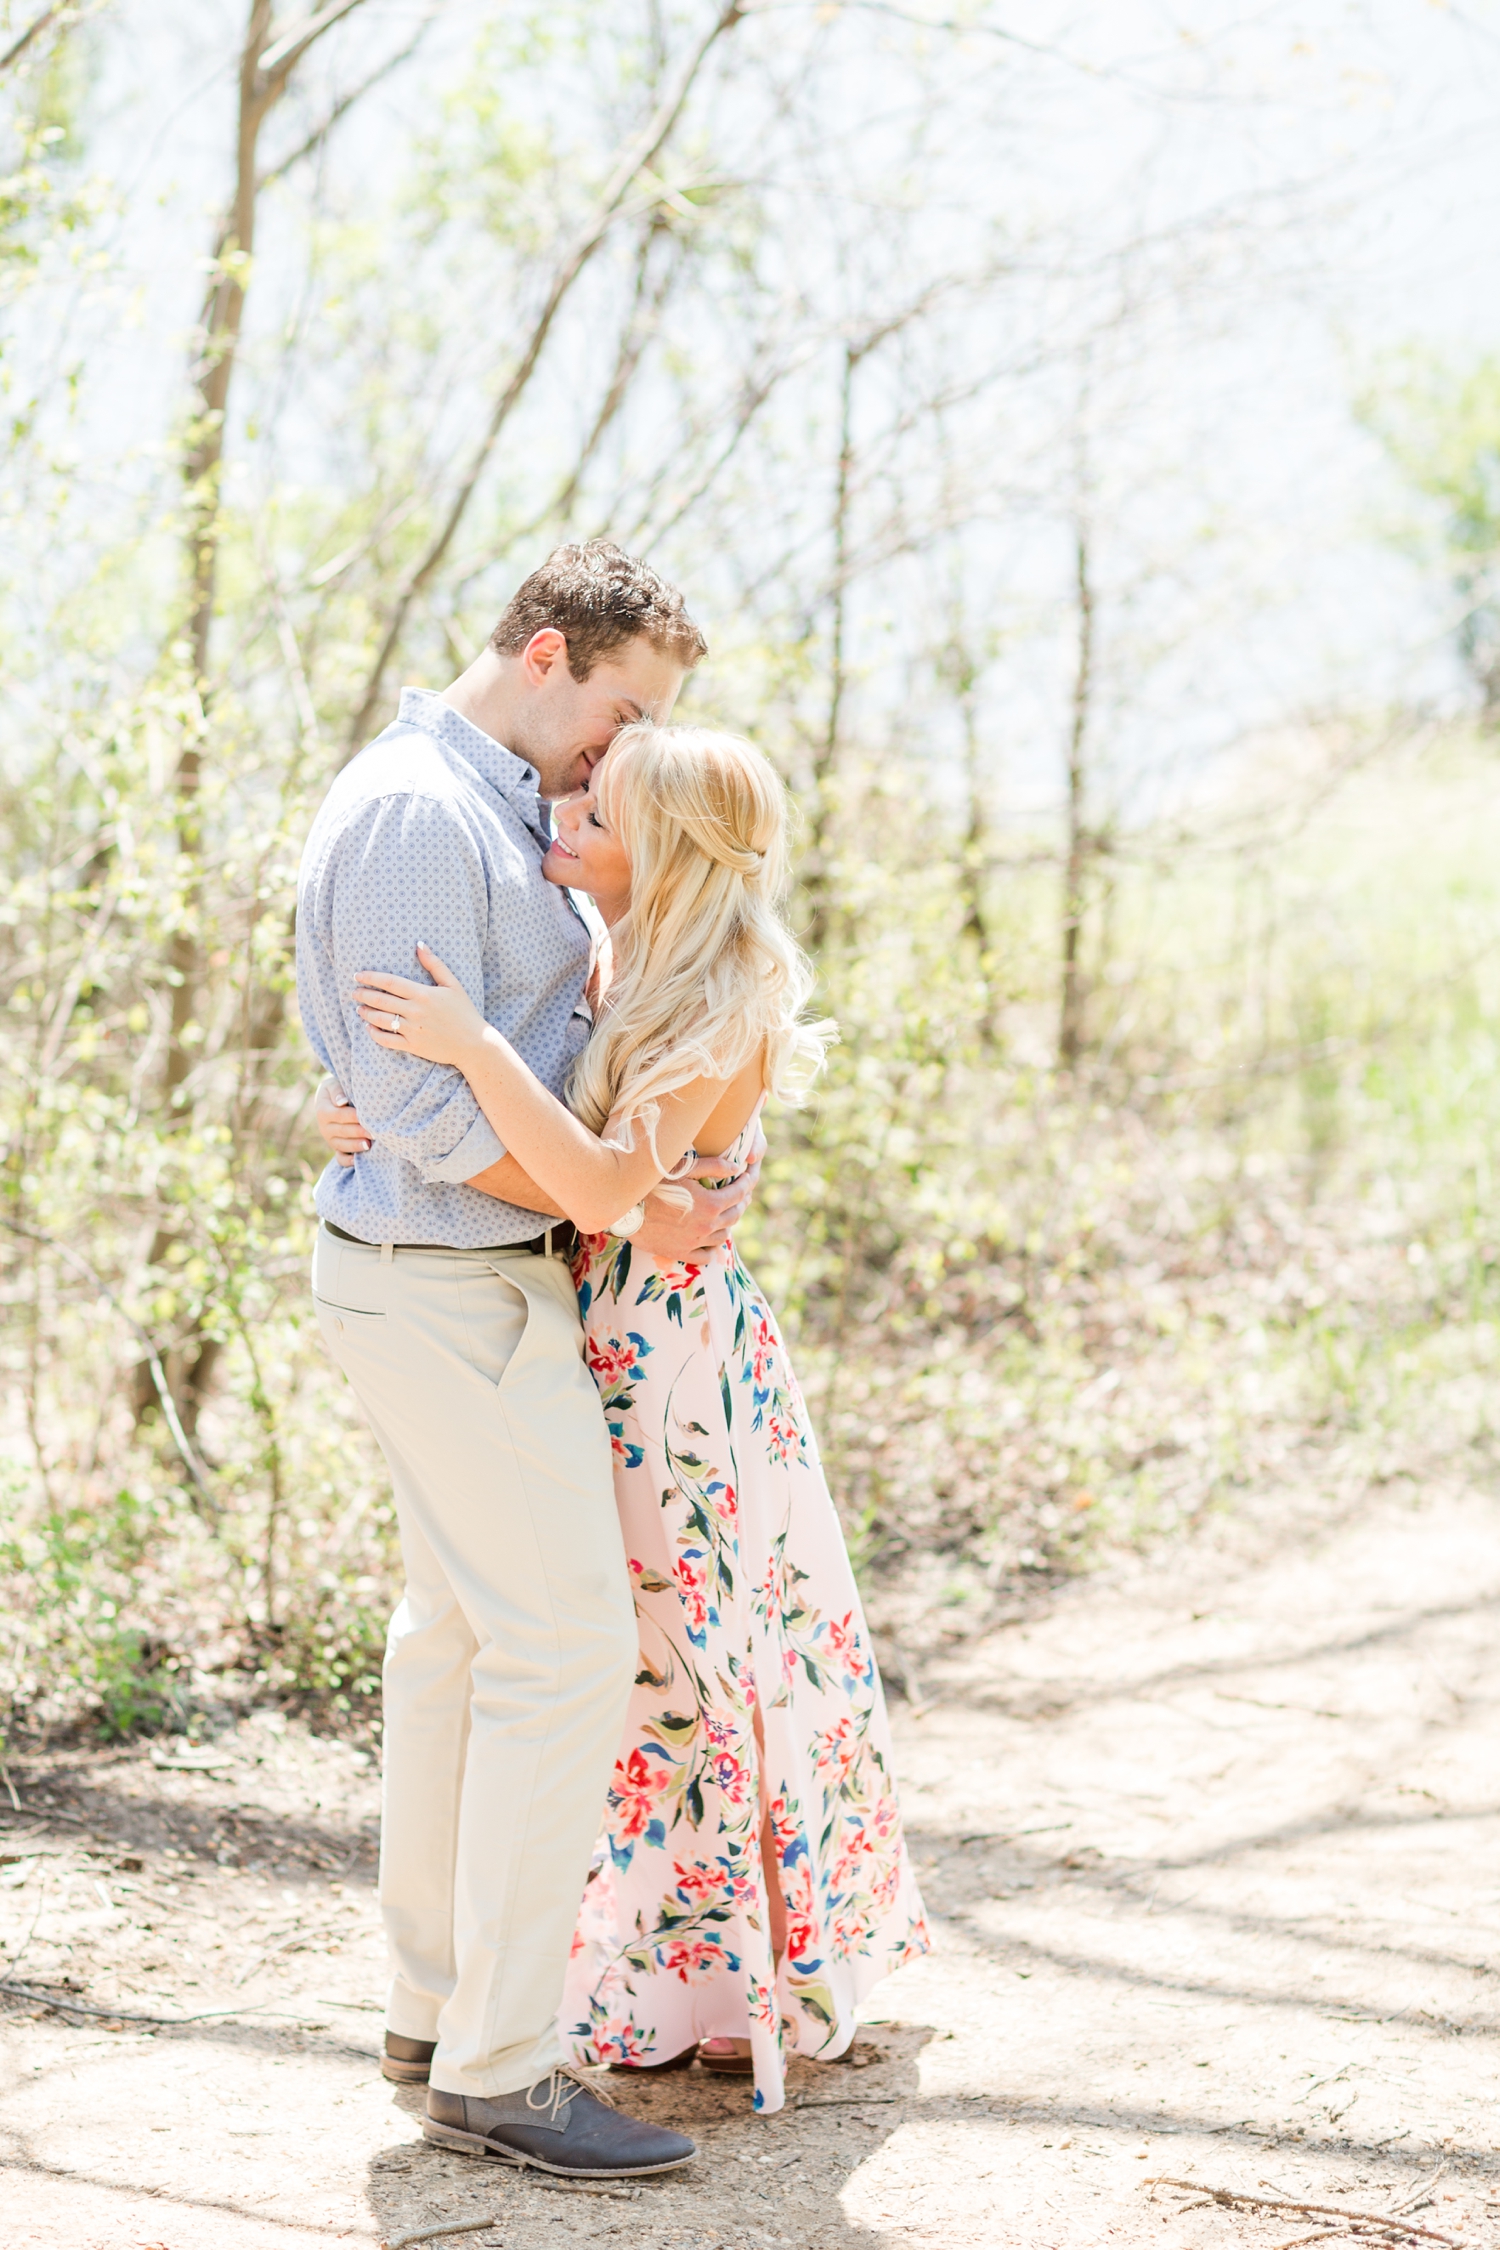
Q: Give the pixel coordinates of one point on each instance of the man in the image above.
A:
(449, 1307)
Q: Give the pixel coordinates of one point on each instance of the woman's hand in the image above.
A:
(338, 1125)
(437, 1021)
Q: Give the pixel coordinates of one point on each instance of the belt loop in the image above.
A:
(546, 1242)
(387, 1253)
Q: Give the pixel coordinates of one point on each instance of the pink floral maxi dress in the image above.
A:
(747, 1604)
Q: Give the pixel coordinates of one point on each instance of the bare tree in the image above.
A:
(855, 352)
(1080, 845)
(960, 670)
(634, 159)
(267, 62)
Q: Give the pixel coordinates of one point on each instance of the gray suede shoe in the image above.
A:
(557, 2125)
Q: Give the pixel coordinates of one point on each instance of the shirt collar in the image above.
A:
(515, 780)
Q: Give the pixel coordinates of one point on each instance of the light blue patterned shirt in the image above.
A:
(434, 835)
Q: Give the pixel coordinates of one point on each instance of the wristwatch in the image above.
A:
(629, 1222)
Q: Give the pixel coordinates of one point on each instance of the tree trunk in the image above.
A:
(637, 156)
(826, 756)
(217, 342)
(1080, 842)
(265, 69)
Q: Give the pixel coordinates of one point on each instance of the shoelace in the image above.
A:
(564, 2085)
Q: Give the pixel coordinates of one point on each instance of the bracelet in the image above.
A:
(629, 1222)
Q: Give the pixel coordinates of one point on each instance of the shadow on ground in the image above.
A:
(753, 2178)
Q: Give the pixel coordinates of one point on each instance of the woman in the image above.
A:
(751, 1882)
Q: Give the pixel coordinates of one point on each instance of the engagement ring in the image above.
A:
(395, 1023)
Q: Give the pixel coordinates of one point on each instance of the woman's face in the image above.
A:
(585, 855)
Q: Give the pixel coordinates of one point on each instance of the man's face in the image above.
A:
(567, 724)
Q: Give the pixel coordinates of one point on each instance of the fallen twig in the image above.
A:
(68, 2007)
(841, 2101)
(1229, 2197)
(300, 1941)
(1418, 2196)
(614, 2192)
(452, 2226)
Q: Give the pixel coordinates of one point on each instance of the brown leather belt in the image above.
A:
(559, 1242)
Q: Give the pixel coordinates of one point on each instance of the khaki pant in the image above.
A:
(510, 1658)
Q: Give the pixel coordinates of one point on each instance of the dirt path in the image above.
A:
(1212, 1856)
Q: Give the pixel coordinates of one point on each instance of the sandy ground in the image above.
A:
(1210, 1847)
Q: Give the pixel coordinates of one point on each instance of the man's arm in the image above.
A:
(509, 1184)
(339, 1125)
(668, 1231)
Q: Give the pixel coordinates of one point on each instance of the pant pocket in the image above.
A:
(548, 1361)
(495, 1317)
(356, 1342)
(344, 1319)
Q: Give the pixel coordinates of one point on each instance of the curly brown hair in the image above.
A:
(598, 597)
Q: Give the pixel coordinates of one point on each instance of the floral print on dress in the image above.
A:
(757, 1698)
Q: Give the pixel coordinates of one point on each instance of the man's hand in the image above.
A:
(715, 1212)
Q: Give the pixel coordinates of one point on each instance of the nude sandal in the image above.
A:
(684, 2061)
(733, 2061)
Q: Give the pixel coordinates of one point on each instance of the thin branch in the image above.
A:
(633, 160)
(645, 310)
(340, 109)
(66, 2007)
(34, 30)
(635, 334)
(449, 2226)
(1422, 2194)
(614, 2193)
(281, 58)
(958, 29)
(347, 557)
(753, 397)
(1230, 2198)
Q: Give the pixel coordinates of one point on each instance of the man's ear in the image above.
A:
(542, 654)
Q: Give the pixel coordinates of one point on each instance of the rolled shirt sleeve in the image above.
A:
(408, 871)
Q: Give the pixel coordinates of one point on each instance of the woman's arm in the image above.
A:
(333, 1115)
(594, 1183)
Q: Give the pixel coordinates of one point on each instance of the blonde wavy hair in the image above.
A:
(705, 975)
